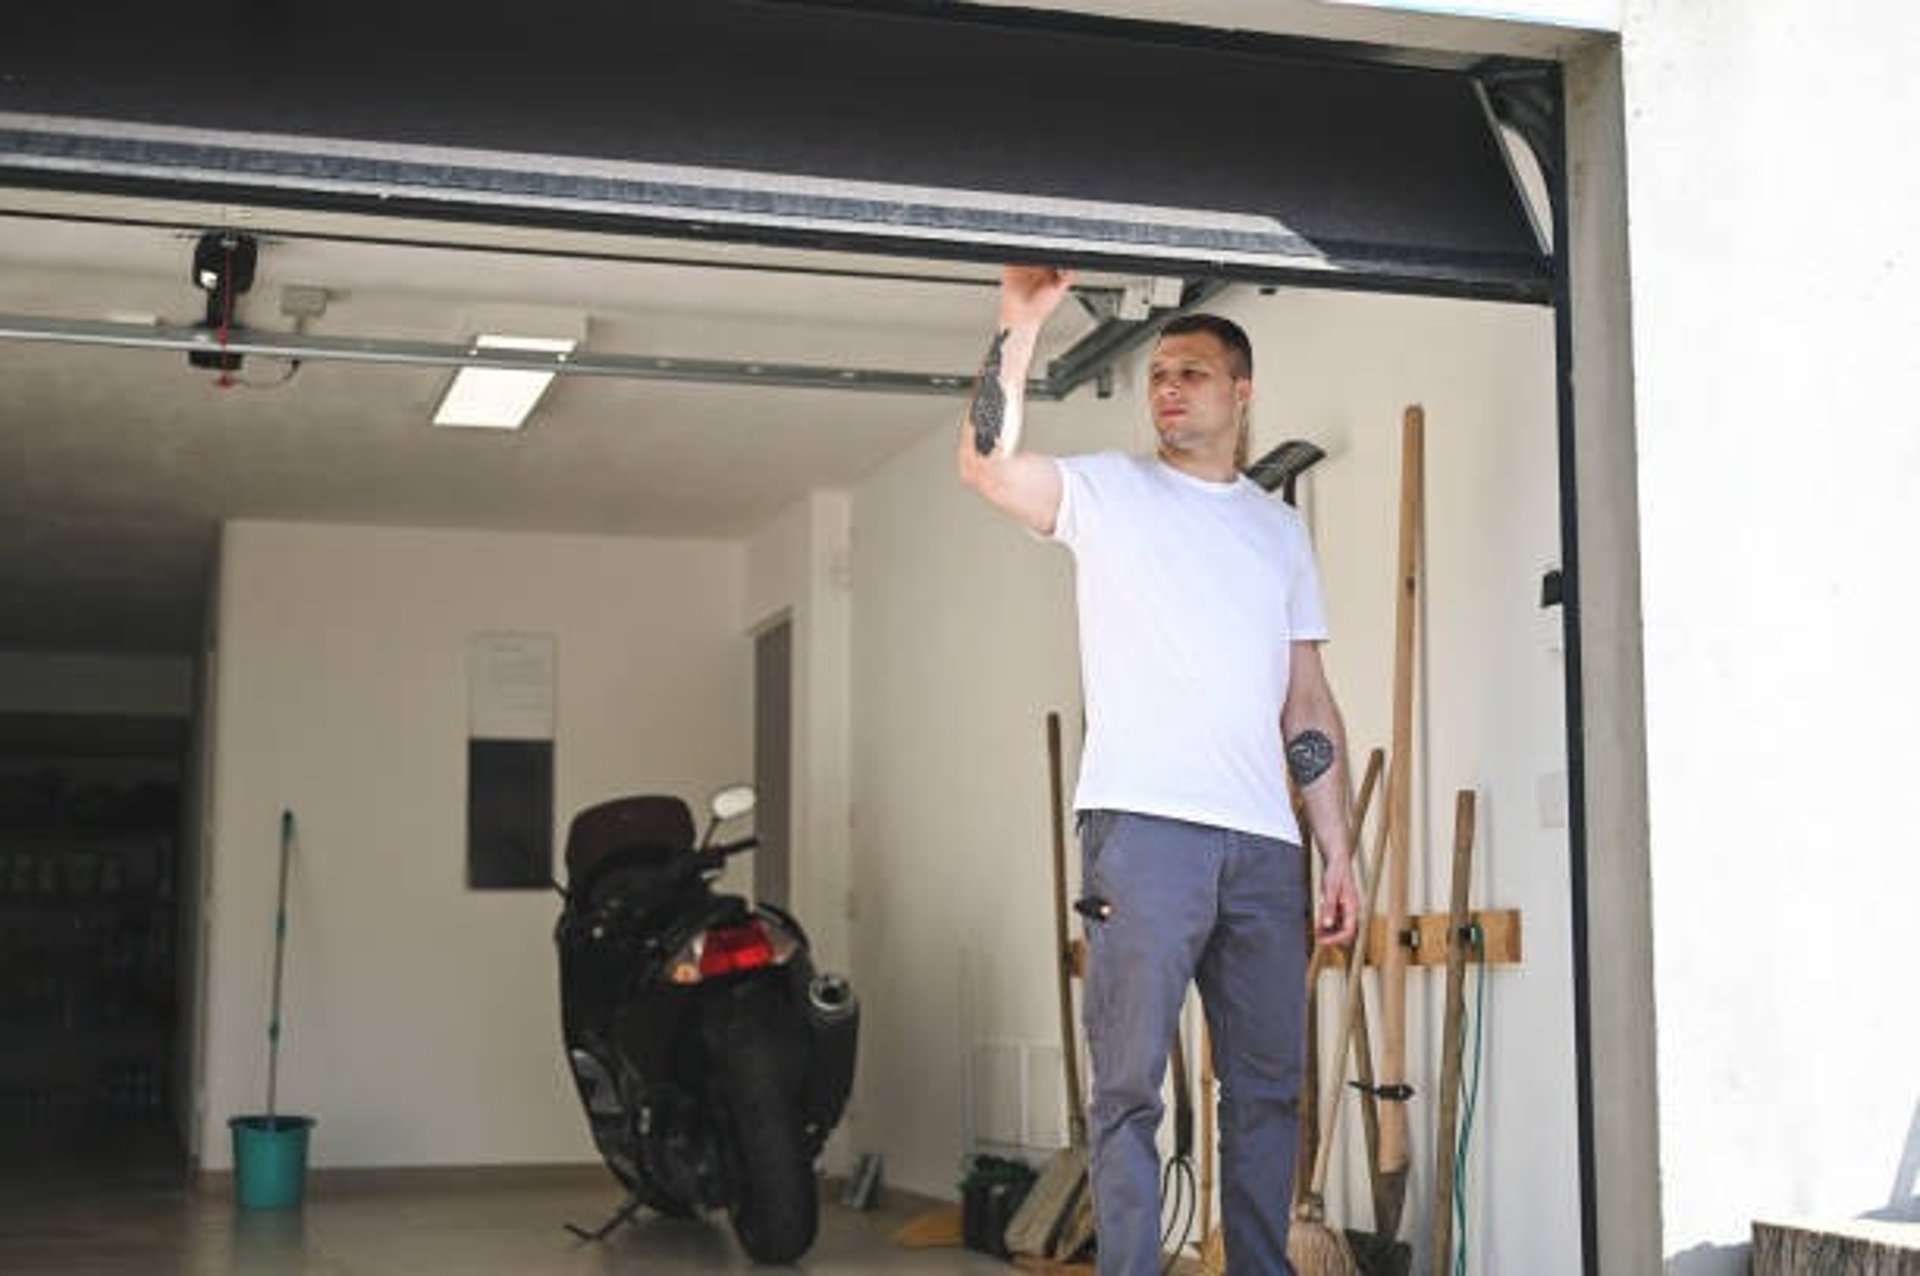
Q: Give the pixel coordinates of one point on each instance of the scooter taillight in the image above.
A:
(731, 949)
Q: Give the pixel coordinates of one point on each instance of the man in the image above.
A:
(1200, 625)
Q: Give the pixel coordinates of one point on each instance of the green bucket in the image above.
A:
(269, 1160)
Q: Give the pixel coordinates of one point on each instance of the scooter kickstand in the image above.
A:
(620, 1216)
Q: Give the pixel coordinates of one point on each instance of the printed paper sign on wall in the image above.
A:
(510, 698)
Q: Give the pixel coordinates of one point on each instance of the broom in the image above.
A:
(1213, 1250)
(1313, 1248)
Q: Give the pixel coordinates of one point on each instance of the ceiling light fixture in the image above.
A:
(499, 398)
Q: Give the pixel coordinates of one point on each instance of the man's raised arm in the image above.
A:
(1024, 484)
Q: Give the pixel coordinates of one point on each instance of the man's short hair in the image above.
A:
(1228, 333)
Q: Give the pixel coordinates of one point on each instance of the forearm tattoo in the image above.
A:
(1309, 756)
(989, 410)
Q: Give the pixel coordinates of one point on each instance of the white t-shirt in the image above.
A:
(1190, 595)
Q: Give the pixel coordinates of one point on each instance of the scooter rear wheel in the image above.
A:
(776, 1210)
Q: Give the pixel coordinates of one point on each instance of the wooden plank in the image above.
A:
(1394, 1147)
(1452, 1038)
(1500, 926)
(1855, 1248)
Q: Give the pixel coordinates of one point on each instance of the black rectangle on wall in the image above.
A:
(509, 814)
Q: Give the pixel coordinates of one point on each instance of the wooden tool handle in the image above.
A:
(1356, 966)
(1063, 944)
(1393, 973)
(1369, 780)
(1308, 1145)
(1362, 1039)
(1206, 1133)
(1450, 1035)
(1310, 1075)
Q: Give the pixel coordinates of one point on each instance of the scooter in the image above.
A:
(711, 1057)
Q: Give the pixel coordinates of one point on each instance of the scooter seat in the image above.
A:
(646, 828)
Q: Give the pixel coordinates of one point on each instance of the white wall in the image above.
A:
(1488, 702)
(799, 566)
(1776, 347)
(421, 1018)
(964, 636)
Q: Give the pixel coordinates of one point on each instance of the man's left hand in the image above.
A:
(1339, 915)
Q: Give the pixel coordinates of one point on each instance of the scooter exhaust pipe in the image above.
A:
(830, 1000)
(833, 1024)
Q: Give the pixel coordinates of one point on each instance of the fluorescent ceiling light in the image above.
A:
(498, 398)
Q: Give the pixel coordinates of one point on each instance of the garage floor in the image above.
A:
(415, 1224)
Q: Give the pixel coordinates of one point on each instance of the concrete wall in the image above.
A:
(964, 637)
(1776, 306)
(422, 1019)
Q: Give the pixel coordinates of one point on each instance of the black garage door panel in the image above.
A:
(569, 110)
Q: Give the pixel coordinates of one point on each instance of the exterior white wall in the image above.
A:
(421, 1018)
(1776, 345)
(964, 637)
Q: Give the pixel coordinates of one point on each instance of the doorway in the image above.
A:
(90, 912)
(773, 763)
(959, 239)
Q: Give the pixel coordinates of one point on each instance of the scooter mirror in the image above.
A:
(733, 802)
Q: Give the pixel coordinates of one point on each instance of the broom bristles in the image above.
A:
(1315, 1249)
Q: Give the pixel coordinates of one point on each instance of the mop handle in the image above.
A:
(279, 951)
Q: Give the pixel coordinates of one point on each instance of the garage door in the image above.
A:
(936, 130)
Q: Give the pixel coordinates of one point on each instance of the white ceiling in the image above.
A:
(123, 462)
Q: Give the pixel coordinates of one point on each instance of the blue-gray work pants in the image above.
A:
(1225, 910)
